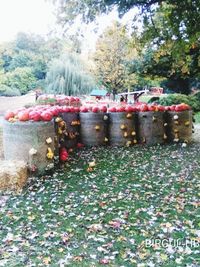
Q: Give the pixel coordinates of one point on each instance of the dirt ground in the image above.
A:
(15, 102)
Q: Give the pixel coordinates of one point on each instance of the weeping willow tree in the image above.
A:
(68, 75)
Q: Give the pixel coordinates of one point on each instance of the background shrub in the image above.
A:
(10, 92)
(174, 99)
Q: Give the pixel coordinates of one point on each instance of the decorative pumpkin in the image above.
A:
(60, 130)
(128, 143)
(50, 154)
(32, 151)
(105, 117)
(49, 140)
(122, 126)
(97, 127)
(176, 117)
(125, 134)
(133, 133)
(129, 115)
(63, 154)
(154, 118)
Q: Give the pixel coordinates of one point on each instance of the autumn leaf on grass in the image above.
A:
(102, 204)
(78, 258)
(115, 224)
(95, 227)
(46, 260)
(31, 218)
(65, 238)
(104, 261)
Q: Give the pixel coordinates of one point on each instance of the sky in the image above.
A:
(34, 16)
(37, 16)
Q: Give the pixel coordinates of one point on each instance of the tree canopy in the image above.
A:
(68, 75)
(25, 62)
(110, 58)
(168, 43)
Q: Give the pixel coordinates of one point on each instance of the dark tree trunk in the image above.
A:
(179, 85)
(183, 85)
(114, 93)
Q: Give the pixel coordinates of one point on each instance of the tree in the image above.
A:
(186, 11)
(168, 52)
(168, 26)
(21, 79)
(110, 58)
(28, 53)
(68, 76)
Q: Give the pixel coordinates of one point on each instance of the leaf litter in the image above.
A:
(104, 216)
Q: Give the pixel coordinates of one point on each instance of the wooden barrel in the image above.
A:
(151, 127)
(72, 133)
(94, 128)
(122, 131)
(32, 142)
(179, 126)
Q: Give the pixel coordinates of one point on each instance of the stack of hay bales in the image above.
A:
(122, 128)
(179, 127)
(13, 175)
(151, 127)
(94, 128)
(31, 142)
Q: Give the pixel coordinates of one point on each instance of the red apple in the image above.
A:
(63, 154)
(161, 108)
(112, 109)
(80, 145)
(172, 108)
(66, 109)
(23, 115)
(103, 109)
(35, 116)
(120, 109)
(72, 109)
(129, 109)
(152, 108)
(95, 109)
(143, 108)
(9, 115)
(76, 109)
(83, 109)
(167, 108)
(46, 116)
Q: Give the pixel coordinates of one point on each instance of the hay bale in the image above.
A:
(13, 175)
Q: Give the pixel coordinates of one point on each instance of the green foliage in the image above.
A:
(197, 117)
(68, 75)
(168, 42)
(175, 99)
(8, 91)
(111, 56)
(21, 79)
(24, 62)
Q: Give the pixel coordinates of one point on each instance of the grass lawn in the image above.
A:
(197, 117)
(146, 98)
(107, 216)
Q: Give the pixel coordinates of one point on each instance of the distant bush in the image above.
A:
(154, 99)
(8, 91)
(174, 99)
(3, 89)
